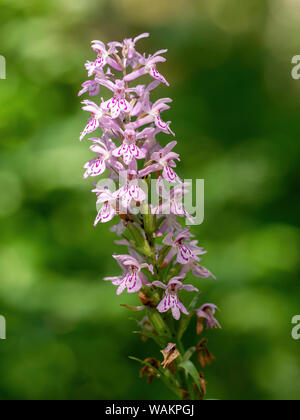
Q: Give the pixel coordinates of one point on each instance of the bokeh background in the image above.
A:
(236, 115)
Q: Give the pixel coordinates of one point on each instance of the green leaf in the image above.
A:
(159, 324)
(195, 302)
(189, 353)
(191, 370)
(183, 325)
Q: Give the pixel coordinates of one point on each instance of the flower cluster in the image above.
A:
(161, 253)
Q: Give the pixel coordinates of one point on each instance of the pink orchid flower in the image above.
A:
(207, 312)
(186, 251)
(132, 278)
(90, 86)
(129, 150)
(173, 203)
(97, 166)
(108, 203)
(149, 67)
(118, 103)
(197, 270)
(98, 119)
(131, 190)
(103, 57)
(154, 112)
(171, 299)
(165, 162)
(129, 52)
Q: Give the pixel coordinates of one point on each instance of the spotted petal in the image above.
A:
(169, 174)
(137, 152)
(137, 193)
(156, 75)
(184, 255)
(133, 282)
(91, 127)
(106, 214)
(95, 168)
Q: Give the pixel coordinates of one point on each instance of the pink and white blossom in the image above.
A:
(118, 104)
(108, 204)
(185, 250)
(103, 58)
(132, 278)
(154, 115)
(105, 158)
(171, 300)
(129, 150)
(98, 119)
(164, 160)
(149, 67)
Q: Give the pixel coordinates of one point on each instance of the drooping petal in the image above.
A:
(121, 287)
(202, 272)
(149, 170)
(169, 174)
(95, 168)
(164, 126)
(113, 106)
(164, 305)
(159, 284)
(182, 307)
(133, 282)
(176, 312)
(106, 214)
(115, 280)
(91, 127)
(126, 260)
(156, 75)
(184, 255)
(189, 288)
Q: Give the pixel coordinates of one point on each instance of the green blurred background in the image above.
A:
(236, 115)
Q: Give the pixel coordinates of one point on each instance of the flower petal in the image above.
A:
(96, 167)
(184, 255)
(169, 174)
(91, 126)
(106, 214)
(156, 75)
